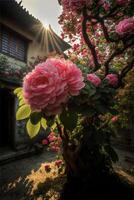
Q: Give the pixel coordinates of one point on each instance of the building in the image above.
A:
(23, 41)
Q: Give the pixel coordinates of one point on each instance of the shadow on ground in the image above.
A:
(17, 179)
(27, 179)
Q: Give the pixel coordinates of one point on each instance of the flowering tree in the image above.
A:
(72, 99)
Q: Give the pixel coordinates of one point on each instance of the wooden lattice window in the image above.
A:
(13, 44)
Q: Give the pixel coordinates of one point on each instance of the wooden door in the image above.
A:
(6, 118)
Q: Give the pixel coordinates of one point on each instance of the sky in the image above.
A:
(47, 11)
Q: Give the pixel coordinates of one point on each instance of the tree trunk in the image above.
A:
(90, 174)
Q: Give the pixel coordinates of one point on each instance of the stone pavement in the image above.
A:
(13, 184)
(126, 160)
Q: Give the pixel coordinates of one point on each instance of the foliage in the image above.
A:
(15, 70)
(12, 70)
(125, 105)
(101, 21)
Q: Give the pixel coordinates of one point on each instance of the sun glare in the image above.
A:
(45, 25)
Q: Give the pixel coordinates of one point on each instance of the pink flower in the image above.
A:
(44, 142)
(50, 85)
(51, 138)
(47, 168)
(112, 79)
(58, 163)
(95, 80)
(55, 148)
(125, 26)
(71, 75)
(104, 4)
(75, 5)
(52, 134)
(122, 2)
(114, 119)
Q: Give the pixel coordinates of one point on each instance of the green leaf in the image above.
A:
(19, 93)
(35, 117)
(48, 131)
(69, 119)
(22, 102)
(89, 89)
(44, 123)
(54, 126)
(20, 96)
(17, 90)
(92, 92)
(23, 112)
(32, 129)
(57, 119)
(96, 96)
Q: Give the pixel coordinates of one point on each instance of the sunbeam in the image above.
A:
(49, 41)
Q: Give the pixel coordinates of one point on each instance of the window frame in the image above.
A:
(11, 32)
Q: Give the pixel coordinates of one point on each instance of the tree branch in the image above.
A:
(104, 28)
(87, 40)
(125, 70)
(105, 31)
(112, 11)
(59, 130)
(63, 133)
(114, 54)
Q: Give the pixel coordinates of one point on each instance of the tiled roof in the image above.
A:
(17, 13)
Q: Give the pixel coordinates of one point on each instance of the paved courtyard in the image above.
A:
(13, 176)
(13, 183)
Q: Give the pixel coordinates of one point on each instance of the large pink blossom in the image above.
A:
(51, 84)
(112, 79)
(75, 5)
(125, 27)
(95, 80)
